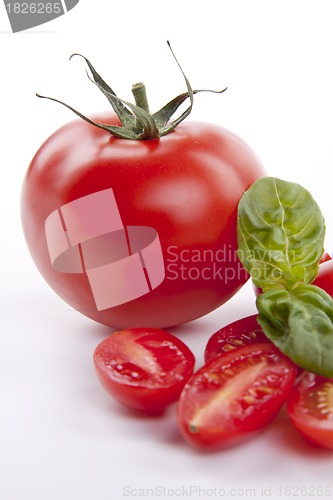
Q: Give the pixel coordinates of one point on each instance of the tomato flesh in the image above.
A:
(245, 331)
(234, 396)
(143, 368)
(310, 407)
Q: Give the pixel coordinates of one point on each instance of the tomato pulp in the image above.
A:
(138, 232)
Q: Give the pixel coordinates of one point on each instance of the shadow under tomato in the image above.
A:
(286, 437)
(159, 428)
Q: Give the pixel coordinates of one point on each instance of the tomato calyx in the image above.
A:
(137, 123)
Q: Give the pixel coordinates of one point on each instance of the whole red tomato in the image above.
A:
(138, 232)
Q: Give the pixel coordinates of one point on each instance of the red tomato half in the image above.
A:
(132, 233)
(234, 396)
(245, 331)
(144, 368)
(310, 407)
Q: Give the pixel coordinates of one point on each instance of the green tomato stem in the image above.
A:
(137, 123)
(140, 95)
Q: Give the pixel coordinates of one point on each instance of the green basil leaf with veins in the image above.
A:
(281, 234)
(300, 324)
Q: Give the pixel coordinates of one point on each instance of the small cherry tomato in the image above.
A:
(234, 396)
(324, 277)
(144, 368)
(325, 257)
(245, 331)
(310, 408)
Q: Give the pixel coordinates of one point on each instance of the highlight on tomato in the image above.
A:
(144, 368)
(310, 408)
(130, 216)
(240, 333)
(234, 396)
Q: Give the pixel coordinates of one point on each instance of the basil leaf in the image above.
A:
(281, 234)
(300, 324)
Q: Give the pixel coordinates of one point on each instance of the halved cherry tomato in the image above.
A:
(234, 396)
(310, 408)
(245, 331)
(144, 368)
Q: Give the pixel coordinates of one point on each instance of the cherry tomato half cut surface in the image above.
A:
(245, 331)
(310, 408)
(132, 218)
(144, 368)
(234, 396)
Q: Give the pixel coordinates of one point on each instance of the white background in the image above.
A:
(62, 437)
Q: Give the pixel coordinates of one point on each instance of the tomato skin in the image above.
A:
(324, 278)
(143, 368)
(310, 408)
(234, 396)
(185, 185)
(245, 331)
(325, 257)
